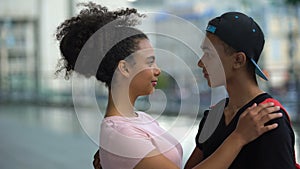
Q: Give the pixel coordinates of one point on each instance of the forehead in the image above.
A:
(144, 47)
(144, 50)
(144, 44)
(211, 42)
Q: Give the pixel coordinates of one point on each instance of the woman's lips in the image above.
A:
(154, 83)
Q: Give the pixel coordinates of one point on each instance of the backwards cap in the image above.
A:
(242, 33)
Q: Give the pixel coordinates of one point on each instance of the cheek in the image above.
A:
(211, 64)
(143, 75)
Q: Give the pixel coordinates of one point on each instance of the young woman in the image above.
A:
(130, 138)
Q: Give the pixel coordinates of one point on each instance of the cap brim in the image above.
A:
(258, 71)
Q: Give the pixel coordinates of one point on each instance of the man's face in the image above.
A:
(212, 61)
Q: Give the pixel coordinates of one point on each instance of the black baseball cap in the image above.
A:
(242, 33)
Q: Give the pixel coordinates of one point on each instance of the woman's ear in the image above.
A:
(123, 68)
(240, 60)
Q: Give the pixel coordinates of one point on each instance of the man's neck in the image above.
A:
(240, 93)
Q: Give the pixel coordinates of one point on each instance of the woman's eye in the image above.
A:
(150, 63)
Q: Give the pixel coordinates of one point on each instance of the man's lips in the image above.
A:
(205, 74)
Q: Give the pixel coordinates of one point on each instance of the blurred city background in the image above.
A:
(38, 124)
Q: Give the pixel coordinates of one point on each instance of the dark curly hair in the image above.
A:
(93, 42)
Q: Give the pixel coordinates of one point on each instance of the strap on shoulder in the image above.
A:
(277, 103)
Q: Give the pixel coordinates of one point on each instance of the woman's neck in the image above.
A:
(120, 105)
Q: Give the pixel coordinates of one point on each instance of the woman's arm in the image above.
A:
(250, 126)
(156, 160)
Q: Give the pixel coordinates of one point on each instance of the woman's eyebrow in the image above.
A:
(151, 58)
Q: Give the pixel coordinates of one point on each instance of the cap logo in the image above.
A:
(211, 28)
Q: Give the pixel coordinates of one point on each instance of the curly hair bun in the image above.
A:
(83, 47)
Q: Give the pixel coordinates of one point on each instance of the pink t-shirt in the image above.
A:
(126, 141)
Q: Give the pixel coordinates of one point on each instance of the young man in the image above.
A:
(236, 41)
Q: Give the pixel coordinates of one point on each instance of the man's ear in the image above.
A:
(240, 60)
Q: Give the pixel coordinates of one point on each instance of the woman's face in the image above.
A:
(145, 72)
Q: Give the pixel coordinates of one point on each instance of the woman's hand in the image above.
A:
(252, 122)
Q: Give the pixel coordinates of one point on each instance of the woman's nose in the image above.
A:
(156, 71)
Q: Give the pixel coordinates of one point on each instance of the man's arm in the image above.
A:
(96, 161)
(195, 158)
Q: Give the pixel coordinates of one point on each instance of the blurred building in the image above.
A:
(18, 50)
(29, 52)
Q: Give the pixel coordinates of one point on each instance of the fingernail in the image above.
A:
(272, 104)
(277, 107)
